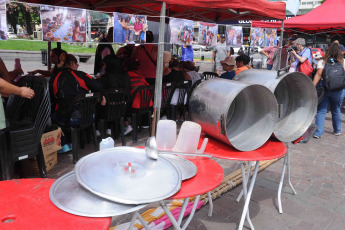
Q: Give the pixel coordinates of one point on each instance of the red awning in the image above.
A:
(197, 10)
(329, 16)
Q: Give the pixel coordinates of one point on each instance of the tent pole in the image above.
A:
(49, 63)
(159, 71)
(281, 45)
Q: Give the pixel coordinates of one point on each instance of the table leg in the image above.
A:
(248, 196)
(183, 209)
(244, 189)
(210, 201)
(248, 176)
(170, 216)
(286, 164)
(192, 212)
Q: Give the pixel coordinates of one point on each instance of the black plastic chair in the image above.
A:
(83, 107)
(168, 90)
(146, 95)
(114, 112)
(189, 94)
(208, 75)
(180, 105)
(27, 122)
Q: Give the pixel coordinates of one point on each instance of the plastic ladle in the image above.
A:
(152, 152)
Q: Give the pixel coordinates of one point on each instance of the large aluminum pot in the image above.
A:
(296, 97)
(238, 114)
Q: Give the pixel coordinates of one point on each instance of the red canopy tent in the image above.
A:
(198, 10)
(328, 17)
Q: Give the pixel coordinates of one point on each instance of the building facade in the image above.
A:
(305, 5)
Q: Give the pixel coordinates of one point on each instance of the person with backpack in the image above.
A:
(332, 71)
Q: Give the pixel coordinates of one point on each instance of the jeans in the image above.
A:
(335, 99)
(269, 67)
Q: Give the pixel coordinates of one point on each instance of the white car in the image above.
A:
(11, 35)
(198, 47)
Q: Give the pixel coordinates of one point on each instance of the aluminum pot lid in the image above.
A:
(67, 194)
(127, 175)
(188, 169)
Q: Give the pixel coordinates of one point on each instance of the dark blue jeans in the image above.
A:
(335, 100)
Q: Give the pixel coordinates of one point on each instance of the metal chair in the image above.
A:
(114, 112)
(145, 94)
(208, 75)
(27, 121)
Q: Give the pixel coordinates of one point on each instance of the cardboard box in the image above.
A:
(51, 143)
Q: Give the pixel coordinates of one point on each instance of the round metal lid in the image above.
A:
(126, 175)
(188, 169)
(68, 195)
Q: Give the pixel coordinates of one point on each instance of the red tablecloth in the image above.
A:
(210, 174)
(25, 204)
(272, 149)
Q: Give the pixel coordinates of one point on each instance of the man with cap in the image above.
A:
(304, 53)
(220, 52)
(228, 65)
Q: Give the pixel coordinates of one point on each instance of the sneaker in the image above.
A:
(64, 149)
(128, 130)
(337, 134)
(109, 132)
(317, 137)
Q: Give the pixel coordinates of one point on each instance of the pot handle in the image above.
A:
(221, 125)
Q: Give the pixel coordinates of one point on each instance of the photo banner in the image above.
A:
(271, 37)
(257, 37)
(234, 36)
(24, 20)
(99, 24)
(181, 31)
(129, 28)
(63, 24)
(3, 21)
(208, 34)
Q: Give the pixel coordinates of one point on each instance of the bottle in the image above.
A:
(17, 65)
(106, 143)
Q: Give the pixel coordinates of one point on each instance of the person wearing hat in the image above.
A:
(220, 52)
(228, 65)
(316, 58)
(304, 53)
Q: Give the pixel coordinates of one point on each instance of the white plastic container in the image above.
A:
(166, 134)
(106, 143)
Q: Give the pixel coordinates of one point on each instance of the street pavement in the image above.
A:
(317, 174)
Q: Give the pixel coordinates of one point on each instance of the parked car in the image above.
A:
(197, 47)
(11, 35)
(315, 50)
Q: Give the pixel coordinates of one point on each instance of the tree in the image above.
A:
(22, 14)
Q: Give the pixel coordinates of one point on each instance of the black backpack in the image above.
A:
(333, 76)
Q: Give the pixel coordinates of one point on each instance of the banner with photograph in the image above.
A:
(3, 21)
(63, 24)
(129, 28)
(99, 24)
(208, 34)
(257, 37)
(181, 31)
(234, 36)
(24, 21)
(271, 37)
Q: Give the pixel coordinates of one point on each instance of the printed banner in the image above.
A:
(208, 34)
(271, 37)
(24, 21)
(62, 24)
(99, 24)
(234, 36)
(181, 31)
(130, 28)
(3, 21)
(257, 37)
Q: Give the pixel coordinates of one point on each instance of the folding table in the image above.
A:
(210, 174)
(270, 150)
(25, 204)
